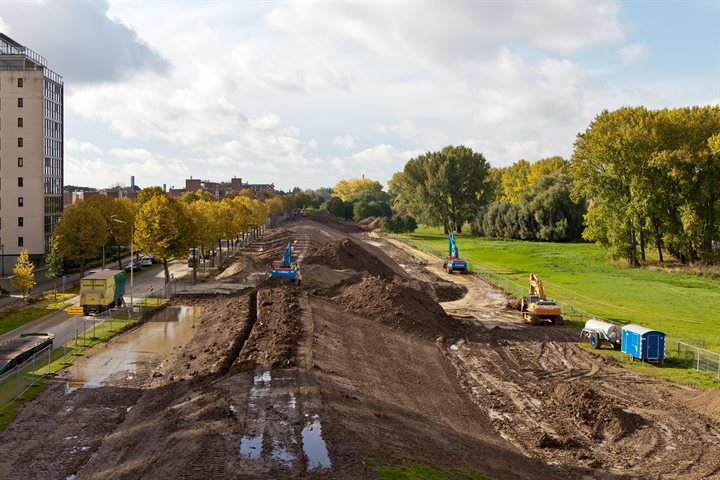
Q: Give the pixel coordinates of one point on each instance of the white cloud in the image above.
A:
(634, 53)
(346, 141)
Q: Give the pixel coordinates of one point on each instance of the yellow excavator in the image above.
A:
(536, 307)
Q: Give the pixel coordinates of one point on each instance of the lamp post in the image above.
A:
(2, 253)
(132, 253)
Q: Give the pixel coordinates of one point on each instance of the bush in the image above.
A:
(398, 224)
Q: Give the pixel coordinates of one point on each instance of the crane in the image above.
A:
(454, 263)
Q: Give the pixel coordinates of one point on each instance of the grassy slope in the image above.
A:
(17, 318)
(683, 305)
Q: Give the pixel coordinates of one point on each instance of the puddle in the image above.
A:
(280, 453)
(251, 446)
(169, 329)
(314, 446)
(374, 244)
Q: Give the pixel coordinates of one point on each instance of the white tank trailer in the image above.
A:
(598, 333)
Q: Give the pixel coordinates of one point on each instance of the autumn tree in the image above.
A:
(345, 189)
(24, 274)
(163, 228)
(80, 233)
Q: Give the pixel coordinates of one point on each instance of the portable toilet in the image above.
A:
(643, 343)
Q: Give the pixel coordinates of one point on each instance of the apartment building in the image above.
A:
(31, 151)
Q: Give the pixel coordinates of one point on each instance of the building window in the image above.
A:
(20, 201)
(20, 181)
(20, 102)
(20, 241)
(20, 221)
(20, 142)
(20, 82)
(20, 161)
(20, 122)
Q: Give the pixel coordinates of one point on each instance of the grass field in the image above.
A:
(681, 304)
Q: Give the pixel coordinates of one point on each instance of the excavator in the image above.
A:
(536, 307)
(454, 263)
(283, 268)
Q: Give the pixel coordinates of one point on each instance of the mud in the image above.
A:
(359, 366)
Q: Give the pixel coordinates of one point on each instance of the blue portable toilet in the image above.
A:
(643, 343)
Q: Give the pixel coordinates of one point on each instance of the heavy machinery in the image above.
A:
(454, 263)
(536, 307)
(598, 333)
(283, 268)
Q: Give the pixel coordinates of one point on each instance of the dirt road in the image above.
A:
(356, 367)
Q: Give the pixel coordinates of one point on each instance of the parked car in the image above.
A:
(146, 261)
(133, 266)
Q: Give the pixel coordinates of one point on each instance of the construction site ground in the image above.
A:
(377, 357)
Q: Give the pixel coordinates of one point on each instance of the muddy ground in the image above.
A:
(356, 367)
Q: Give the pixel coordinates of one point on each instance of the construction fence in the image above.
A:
(20, 383)
(689, 352)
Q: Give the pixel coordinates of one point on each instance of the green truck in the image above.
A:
(102, 290)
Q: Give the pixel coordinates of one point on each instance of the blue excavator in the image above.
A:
(283, 268)
(454, 263)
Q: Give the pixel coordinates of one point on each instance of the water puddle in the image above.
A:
(314, 446)
(251, 446)
(374, 244)
(169, 329)
(280, 453)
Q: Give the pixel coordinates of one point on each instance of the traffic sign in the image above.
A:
(75, 310)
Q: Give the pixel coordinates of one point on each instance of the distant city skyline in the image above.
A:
(305, 94)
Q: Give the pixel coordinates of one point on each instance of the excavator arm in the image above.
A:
(536, 287)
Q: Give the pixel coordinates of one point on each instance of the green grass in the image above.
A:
(423, 472)
(17, 318)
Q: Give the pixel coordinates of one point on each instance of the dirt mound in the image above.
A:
(707, 402)
(241, 268)
(272, 341)
(370, 223)
(343, 254)
(448, 291)
(321, 276)
(603, 417)
(401, 306)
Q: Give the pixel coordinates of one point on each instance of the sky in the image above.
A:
(308, 93)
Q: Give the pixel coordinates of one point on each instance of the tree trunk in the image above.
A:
(446, 229)
(658, 241)
(219, 251)
(167, 274)
(119, 257)
(632, 250)
(642, 244)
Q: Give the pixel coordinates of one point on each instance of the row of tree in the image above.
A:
(161, 225)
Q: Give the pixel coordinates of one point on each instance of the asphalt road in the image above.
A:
(65, 326)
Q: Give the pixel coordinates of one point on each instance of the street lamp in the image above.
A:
(132, 270)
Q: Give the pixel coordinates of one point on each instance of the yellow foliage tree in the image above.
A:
(548, 166)
(515, 180)
(346, 189)
(24, 274)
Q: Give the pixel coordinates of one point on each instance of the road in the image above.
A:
(65, 326)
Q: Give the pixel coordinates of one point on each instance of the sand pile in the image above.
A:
(401, 306)
(344, 254)
(241, 268)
